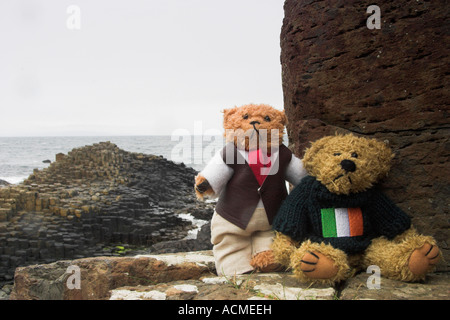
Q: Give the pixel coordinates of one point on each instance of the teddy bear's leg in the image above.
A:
(319, 262)
(232, 247)
(232, 255)
(283, 247)
(407, 257)
(262, 239)
(264, 261)
(263, 258)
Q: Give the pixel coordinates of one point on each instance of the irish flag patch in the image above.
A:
(341, 222)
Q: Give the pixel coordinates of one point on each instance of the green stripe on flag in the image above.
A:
(328, 223)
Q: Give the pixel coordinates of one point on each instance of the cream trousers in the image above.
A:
(234, 247)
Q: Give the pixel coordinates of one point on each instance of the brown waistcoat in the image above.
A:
(241, 195)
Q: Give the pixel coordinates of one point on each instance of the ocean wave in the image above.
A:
(14, 179)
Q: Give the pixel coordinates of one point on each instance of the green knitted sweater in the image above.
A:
(347, 222)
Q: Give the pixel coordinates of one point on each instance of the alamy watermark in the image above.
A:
(74, 280)
(73, 21)
(374, 20)
(374, 281)
(200, 147)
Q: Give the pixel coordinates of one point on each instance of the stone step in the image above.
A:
(191, 276)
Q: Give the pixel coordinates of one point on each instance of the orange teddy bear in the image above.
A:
(249, 176)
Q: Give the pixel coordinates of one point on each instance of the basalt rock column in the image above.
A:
(387, 83)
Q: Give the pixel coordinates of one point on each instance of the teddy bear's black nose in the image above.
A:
(255, 122)
(348, 165)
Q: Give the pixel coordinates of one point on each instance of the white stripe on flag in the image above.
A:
(342, 223)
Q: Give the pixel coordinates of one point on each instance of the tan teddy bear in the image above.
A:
(336, 220)
(249, 176)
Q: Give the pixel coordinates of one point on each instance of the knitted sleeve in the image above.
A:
(292, 216)
(386, 218)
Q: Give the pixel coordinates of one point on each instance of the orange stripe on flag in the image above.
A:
(356, 221)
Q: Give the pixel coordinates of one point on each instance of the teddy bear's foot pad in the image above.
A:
(317, 266)
(423, 258)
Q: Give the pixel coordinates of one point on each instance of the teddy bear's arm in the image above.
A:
(386, 218)
(213, 177)
(295, 171)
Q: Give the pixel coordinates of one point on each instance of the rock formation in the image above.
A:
(389, 83)
(191, 276)
(4, 183)
(93, 200)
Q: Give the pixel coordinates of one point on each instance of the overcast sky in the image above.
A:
(134, 67)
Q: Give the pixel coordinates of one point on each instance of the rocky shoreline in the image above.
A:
(99, 200)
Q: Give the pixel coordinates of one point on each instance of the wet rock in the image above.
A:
(200, 243)
(4, 183)
(96, 194)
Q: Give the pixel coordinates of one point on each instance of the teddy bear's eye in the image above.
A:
(267, 118)
(354, 155)
(337, 154)
(245, 116)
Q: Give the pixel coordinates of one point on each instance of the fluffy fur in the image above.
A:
(393, 257)
(372, 158)
(238, 126)
(338, 257)
(409, 256)
(250, 127)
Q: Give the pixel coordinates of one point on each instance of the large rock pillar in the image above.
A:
(389, 83)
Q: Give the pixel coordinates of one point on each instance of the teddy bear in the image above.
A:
(337, 220)
(248, 176)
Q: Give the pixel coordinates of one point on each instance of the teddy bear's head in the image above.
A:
(347, 164)
(254, 126)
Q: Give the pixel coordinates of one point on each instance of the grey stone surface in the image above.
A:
(191, 276)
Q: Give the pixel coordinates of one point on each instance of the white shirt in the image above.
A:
(218, 173)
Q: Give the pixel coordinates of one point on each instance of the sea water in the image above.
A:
(20, 155)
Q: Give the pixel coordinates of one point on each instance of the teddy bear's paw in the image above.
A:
(315, 265)
(423, 259)
(202, 188)
(265, 262)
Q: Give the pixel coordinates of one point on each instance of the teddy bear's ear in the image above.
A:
(228, 112)
(311, 152)
(384, 156)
